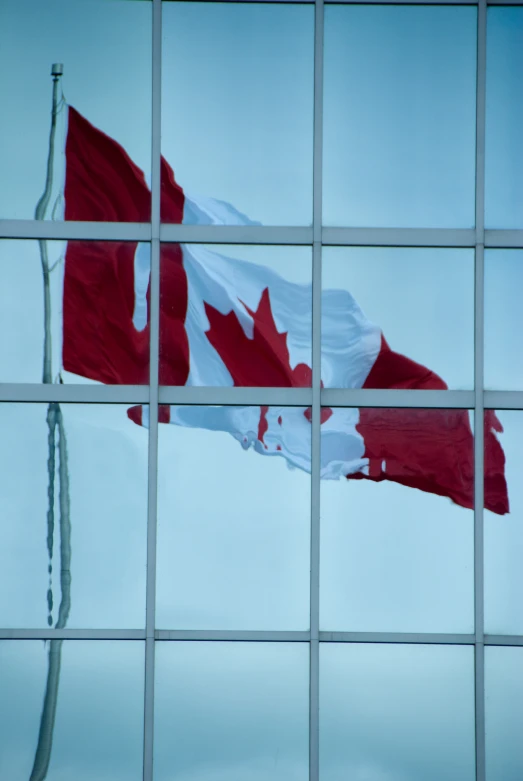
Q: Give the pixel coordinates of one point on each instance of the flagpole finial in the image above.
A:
(57, 70)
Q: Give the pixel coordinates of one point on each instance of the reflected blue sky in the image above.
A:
(399, 116)
(394, 559)
(237, 91)
(396, 713)
(504, 151)
(503, 319)
(422, 299)
(504, 539)
(98, 731)
(504, 713)
(105, 46)
(107, 456)
(236, 554)
(231, 712)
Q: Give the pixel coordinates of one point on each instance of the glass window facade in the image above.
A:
(260, 390)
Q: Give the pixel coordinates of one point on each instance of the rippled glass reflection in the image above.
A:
(73, 480)
(71, 709)
(104, 47)
(75, 312)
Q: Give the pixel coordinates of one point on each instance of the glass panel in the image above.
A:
(237, 113)
(504, 119)
(97, 312)
(396, 712)
(235, 315)
(399, 116)
(421, 300)
(231, 711)
(101, 147)
(98, 730)
(503, 319)
(92, 534)
(397, 534)
(504, 713)
(233, 522)
(503, 524)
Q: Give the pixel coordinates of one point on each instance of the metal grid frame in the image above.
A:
(316, 237)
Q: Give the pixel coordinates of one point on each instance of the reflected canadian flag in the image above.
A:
(229, 322)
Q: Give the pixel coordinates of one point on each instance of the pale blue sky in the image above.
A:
(399, 116)
(504, 151)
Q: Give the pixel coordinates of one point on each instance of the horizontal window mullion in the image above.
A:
(101, 394)
(72, 634)
(347, 397)
(235, 234)
(399, 237)
(75, 231)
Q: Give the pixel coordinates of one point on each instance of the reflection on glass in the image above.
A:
(399, 116)
(504, 119)
(503, 319)
(504, 535)
(233, 518)
(238, 316)
(85, 318)
(112, 92)
(73, 526)
(396, 525)
(231, 711)
(420, 300)
(237, 113)
(396, 712)
(504, 713)
(97, 731)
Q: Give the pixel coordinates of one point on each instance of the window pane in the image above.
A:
(504, 530)
(231, 711)
(503, 319)
(399, 116)
(105, 49)
(97, 312)
(396, 524)
(504, 713)
(235, 315)
(98, 730)
(95, 527)
(421, 300)
(396, 711)
(504, 151)
(234, 522)
(238, 112)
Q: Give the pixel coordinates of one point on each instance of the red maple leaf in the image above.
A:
(262, 361)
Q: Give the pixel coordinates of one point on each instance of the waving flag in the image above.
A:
(229, 322)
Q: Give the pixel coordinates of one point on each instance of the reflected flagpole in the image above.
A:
(57, 440)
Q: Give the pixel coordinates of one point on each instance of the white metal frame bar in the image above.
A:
(479, 634)
(314, 647)
(150, 622)
(266, 636)
(291, 397)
